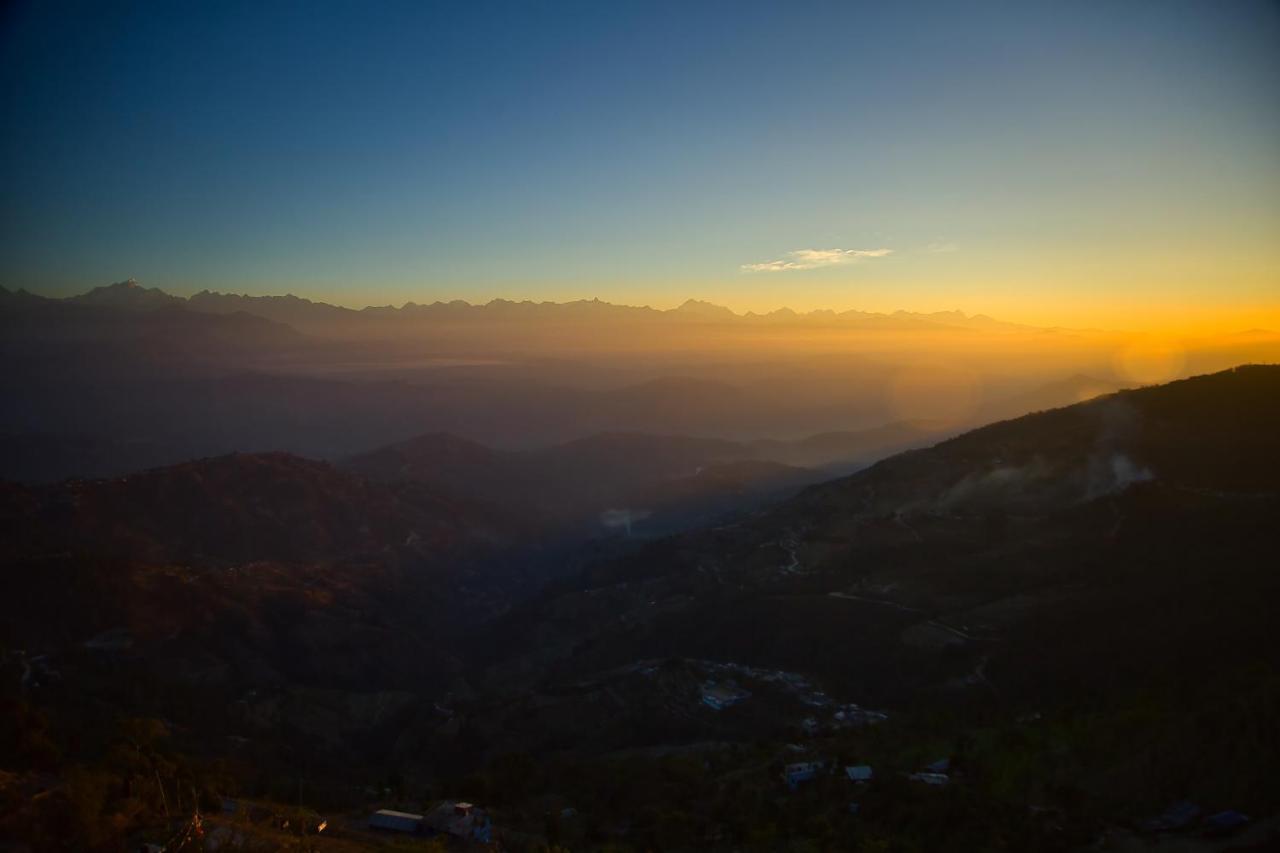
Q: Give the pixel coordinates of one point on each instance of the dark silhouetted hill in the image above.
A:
(1056, 553)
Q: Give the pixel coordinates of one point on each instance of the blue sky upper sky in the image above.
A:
(1029, 159)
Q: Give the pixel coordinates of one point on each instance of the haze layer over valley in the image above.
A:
(162, 379)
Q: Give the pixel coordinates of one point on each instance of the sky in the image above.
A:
(1084, 163)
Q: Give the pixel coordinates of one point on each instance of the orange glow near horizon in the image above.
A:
(1119, 310)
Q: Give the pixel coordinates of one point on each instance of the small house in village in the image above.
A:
(452, 817)
(931, 778)
(461, 820)
(801, 771)
(394, 821)
(859, 773)
(1225, 823)
(935, 773)
(1179, 815)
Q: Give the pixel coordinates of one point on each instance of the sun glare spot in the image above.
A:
(1150, 360)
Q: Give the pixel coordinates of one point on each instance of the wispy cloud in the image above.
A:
(942, 248)
(812, 259)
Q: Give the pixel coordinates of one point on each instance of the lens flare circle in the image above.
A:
(1150, 360)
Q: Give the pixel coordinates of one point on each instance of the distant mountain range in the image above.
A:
(97, 390)
(126, 377)
(321, 318)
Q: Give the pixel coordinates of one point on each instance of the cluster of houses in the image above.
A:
(797, 773)
(722, 689)
(1185, 815)
(464, 821)
(937, 773)
(845, 717)
(790, 682)
(453, 817)
(852, 716)
(1179, 817)
(721, 695)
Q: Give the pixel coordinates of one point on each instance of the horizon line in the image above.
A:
(688, 302)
